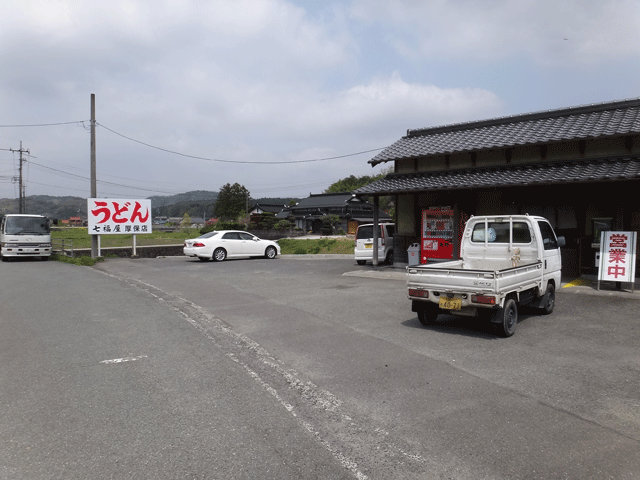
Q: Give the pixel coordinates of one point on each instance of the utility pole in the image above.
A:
(21, 203)
(94, 190)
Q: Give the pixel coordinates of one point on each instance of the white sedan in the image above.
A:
(229, 244)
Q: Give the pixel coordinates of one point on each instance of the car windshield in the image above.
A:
(26, 225)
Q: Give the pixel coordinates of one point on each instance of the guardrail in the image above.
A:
(62, 246)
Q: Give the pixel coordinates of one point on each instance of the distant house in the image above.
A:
(351, 210)
(71, 222)
(195, 221)
(259, 208)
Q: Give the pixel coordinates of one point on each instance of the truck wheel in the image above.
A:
(361, 262)
(508, 316)
(549, 299)
(427, 316)
(389, 259)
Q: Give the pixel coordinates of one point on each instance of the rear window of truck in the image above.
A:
(498, 232)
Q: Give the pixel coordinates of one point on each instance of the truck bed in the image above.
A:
(458, 276)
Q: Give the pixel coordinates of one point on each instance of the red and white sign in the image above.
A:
(118, 217)
(617, 256)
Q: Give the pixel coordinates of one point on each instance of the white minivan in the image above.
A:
(364, 243)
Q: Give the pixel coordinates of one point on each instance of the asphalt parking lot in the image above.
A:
(559, 399)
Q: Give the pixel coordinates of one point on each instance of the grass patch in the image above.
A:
(84, 260)
(82, 239)
(293, 246)
(289, 246)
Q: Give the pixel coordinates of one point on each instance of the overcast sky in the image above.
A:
(244, 84)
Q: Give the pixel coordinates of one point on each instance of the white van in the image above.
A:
(364, 243)
(25, 236)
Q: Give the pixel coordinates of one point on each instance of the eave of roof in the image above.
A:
(575, 123)
(608, 169)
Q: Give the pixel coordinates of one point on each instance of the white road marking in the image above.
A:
(309, 393)
(122, 360)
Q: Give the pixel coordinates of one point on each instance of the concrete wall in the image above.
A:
(151, 251)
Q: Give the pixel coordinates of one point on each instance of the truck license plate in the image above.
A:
(368, 245)
(447, 303)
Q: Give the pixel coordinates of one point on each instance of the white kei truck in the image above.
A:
(25, 236)
(506, 261)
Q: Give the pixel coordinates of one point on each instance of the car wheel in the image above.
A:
(428, 315)
(270, 252)
(219, 254)
(389, 258)
(508, 316)
(361, 262)
(549, 299)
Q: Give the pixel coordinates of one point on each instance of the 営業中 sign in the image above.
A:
(116, 216)
(617, 257)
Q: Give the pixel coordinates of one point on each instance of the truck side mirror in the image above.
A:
(561, 242)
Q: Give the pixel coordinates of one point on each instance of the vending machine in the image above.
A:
(437, 233)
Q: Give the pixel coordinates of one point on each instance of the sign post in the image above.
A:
(617, 257)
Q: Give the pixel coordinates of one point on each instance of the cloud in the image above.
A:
(476, 30)
(385, 107)
(274, 80)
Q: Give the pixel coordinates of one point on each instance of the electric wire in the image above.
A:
(113, 184)
(44, 124)
(102, 182)
(277, 162)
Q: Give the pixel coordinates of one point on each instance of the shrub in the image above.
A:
(230, 226)
(282, 225)
(84, 260)
(207, 229)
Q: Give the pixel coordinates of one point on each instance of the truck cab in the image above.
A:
(25, 236)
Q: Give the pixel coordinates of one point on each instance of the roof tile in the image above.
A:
(605, 119)
(546, 173)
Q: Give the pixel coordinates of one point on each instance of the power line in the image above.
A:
(71, 188)
(268, 189)
(43, 124)
(102, 182)
(195, 157)
(280, 162)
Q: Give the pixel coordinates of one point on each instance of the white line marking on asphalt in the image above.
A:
(308, 392)
(122, 360)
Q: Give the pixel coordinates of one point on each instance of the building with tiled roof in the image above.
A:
(351, 210)
(258, 208)
(579, 167)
